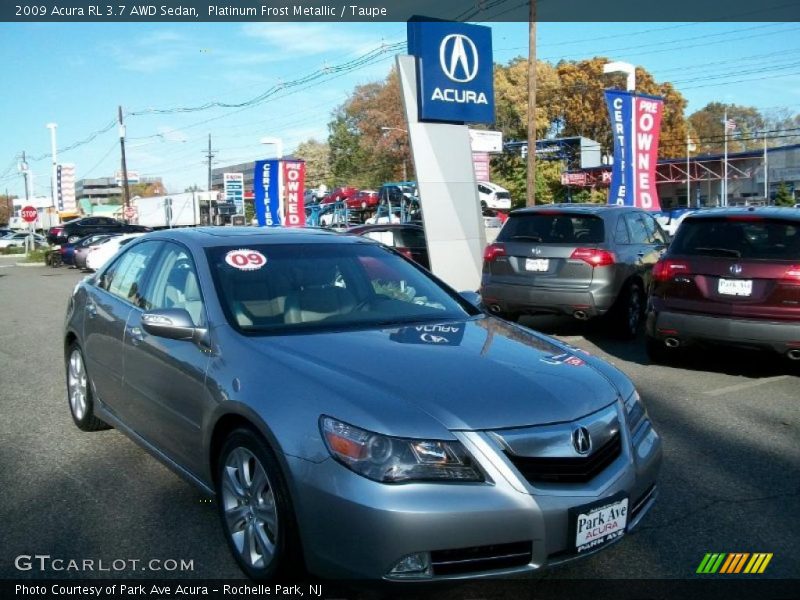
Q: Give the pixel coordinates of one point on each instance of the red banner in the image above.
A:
(294, 174)
(647, 126)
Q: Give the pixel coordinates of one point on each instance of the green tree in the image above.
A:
(707, 123)
(146, 190)
(6, 208)
(783, 196)
(316, 156)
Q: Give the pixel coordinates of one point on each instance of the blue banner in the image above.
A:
(620, 114)
(266, 195)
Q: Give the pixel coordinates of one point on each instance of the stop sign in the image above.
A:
(29, 214)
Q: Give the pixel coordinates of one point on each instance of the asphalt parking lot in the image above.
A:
(730, 421)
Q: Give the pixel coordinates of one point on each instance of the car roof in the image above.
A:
(760, 211)
(206, 237)
(584, 208)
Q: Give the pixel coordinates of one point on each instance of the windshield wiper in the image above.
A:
(535, 238)
(724, 251)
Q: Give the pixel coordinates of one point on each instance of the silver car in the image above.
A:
(353, 415)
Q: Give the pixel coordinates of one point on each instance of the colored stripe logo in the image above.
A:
(733, 563)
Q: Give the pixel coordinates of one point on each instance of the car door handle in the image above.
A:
(136, 336)
(91, 310)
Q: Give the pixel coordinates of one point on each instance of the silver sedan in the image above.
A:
(353, 415)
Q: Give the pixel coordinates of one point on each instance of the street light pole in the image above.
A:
(53, 175)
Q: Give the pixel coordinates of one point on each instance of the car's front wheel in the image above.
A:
(255, 508)
(79, 392)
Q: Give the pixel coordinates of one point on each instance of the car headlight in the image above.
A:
(397, 460)
(634, 410)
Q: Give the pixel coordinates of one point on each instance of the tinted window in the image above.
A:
(637, 228)
(125, 278)
(621, 233)
(90, 222)
(175, 284)
(739, 238)
(654, 234)
(411, 238)
(325, 286)
(558, 228)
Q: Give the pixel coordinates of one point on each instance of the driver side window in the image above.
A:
(175, 284)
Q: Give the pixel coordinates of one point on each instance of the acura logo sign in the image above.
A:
(736, 269)
(459, 58)
(581, 440)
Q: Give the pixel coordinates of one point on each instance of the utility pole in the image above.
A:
(209, 156)
(531, 179)
(126, 194)
(23, 166)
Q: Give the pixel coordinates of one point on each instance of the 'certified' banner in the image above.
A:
(635, 125)
(266, 193)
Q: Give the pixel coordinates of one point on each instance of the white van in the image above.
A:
(494, 196)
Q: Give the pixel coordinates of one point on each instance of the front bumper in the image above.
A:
(352, 527)
(593, 301)
(779, 336)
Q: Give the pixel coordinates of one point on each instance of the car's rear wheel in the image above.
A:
(626, 316)
(73, 238)
(79, 392)
(255, 508)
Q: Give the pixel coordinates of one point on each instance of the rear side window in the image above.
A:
(754, 238)
(549, 228)
(621, 234)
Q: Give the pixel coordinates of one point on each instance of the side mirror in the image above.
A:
(172, 323)
(474, 298)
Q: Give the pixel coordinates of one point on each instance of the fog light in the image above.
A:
(413, 565)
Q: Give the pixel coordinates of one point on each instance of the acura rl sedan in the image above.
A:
(353, 415)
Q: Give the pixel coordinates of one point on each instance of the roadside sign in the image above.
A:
(29, 214)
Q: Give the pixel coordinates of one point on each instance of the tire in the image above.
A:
(626, 316)
(255, 509)
(79, 392)
(73, 238)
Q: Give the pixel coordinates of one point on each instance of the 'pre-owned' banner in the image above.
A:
(266, 193)
(635, 126)
(294, 173)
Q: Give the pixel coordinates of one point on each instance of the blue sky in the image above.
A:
(77, 74)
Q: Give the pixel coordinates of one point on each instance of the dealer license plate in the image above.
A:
(537, 264)
(596, 526)
(735, 287)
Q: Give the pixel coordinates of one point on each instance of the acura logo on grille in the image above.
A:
(581, 440)
(736, 269)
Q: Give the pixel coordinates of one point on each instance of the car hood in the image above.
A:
(477, 374)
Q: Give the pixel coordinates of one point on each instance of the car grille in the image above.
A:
(481, 558)
(568, 470)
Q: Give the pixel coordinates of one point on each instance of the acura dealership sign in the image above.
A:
(454, 71)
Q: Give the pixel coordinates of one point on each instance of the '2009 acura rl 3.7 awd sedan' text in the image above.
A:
(353, 415)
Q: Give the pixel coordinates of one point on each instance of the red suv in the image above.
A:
(730, 276)
(339, 194)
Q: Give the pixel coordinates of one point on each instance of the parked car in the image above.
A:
(339, 194)
(100, 254)
(17, 240)
(730, 276)
(491, 217)
(75, 254)
(494, 196)
(584, 260)
(407, 239)
(80, 228)
(353, 414)
(363, 200)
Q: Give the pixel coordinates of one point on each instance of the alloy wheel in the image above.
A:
(250, 512)
(76, 381)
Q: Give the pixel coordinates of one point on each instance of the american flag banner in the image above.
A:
(730, 125)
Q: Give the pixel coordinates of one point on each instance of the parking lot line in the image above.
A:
(744, 386)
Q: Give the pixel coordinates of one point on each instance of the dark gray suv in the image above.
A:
(583, 260)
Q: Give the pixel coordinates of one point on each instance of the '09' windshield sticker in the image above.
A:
(245, 259)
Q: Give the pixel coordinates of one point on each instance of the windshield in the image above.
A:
(753, 238)
(292, 287)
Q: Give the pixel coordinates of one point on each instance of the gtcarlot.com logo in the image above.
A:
(45, 562)
(734, 563)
